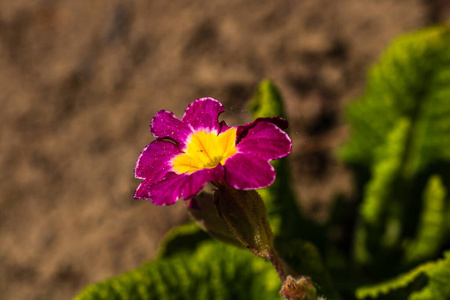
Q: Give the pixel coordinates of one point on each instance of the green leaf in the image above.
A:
(396, 283)
(286, 220)
(279, 198)
(410, 82)
(385, 171)
(213, 271)
(378, 204)
(431, 229)
(438, 287)
(267, 101)
(284, 213)
(183, 238)
(400, 133)
(447, 218)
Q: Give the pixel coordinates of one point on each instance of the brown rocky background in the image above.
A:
(80, 81)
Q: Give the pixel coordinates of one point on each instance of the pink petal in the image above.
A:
(166, 126)
(243, 129)
(174, 186)
(245, 172)
(153, 164)
(203, 113)
(266, 141)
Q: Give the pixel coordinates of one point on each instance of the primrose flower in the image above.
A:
(197, 149)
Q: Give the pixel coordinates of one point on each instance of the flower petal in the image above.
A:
(153, 164)
(142, 190)
(166, 126)
(155, 160)
(265, 140)
(174, 186)
(223, 127)
(245, 172)
(203, 113)
(243, 129)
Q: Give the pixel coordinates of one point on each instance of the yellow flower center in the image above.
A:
(205, 150)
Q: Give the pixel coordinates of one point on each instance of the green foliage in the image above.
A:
(183, 238)
(432, 223)
(410, 82)
(378, 190)
(437, 288)
(396, 283)
(267, 101)
(284, 214)
(212, 271)
(378, 196)
(400, 153)
(447, 221)
(401, 135)
(190, 266)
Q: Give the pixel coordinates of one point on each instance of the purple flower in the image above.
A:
(197, 149)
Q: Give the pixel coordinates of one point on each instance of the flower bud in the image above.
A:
(246, 216)
(203, 211)
(301, 288)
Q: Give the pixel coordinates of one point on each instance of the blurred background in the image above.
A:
(81, 80)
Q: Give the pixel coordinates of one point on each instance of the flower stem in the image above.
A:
(278, 265)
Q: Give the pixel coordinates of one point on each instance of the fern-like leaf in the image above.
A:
(410, 85)
(401, 281)
(213, 271)
(431, 229)
(378, 204)
(284, 214)
(438, 287)
(183, 238)
(412, 82)
(385, 171)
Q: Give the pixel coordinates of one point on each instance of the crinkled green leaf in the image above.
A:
(411, 82)
(267, 101)
(447, 219)
(438, 287)
(401, 281)
(284, 213)
(378, 197)
(378, 191)
(400, 134)
(213, 271)
(183, 238)
(432, 224)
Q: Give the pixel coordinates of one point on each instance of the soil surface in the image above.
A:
(81, 80)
